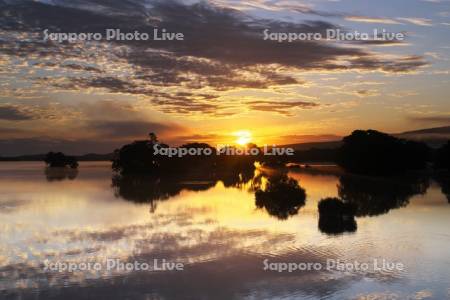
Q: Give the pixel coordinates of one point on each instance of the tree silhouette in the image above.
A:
(140, 157)
(442, 160)
(153, 138)
(60, 160)
(376, 153)
(137, 157)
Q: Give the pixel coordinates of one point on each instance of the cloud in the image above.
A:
(13, 113)
(205, 138)
(366, 93)
(223, 50)
(404, 64)
(395, 21)
(6, 132)
(442, 118)
(364, 19)
(105, 136)
(281, 107)
(417, 21)
(128, 130)
(311, 138)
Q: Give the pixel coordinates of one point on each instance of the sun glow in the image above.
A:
(243, 137)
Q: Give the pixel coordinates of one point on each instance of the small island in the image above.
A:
(60, 160)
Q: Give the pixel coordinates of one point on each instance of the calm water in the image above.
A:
(220, 233)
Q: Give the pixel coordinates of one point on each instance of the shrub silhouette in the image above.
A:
(336, 216)
(58, 159)
(376, 153)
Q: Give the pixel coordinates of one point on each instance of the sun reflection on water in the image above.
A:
(83, 220)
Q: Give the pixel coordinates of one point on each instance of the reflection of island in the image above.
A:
(281, 196)
(336, 216)
(444, 182)
(148, 188)
(59, 174)
(278, 194)
(373, 196)
(366, 196)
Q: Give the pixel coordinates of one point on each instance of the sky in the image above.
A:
(224, 80)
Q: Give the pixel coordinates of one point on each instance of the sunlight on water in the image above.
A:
(220, 232)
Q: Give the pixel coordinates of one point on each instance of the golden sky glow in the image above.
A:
(223, 78)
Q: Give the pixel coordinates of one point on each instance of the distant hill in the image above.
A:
(317, 145)
(434, 137)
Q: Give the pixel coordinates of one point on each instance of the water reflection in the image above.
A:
(444, 182)
(213, 224)
(281, 196)
(278, 193)
(275, 192)
(58, 174)
(151, 188)
(363, 196)
(372, 196)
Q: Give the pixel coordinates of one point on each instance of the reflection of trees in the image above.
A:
(336, 217)
(444, 182)
(282, 196)
(375, 196)
(235, 176)
(141, 188)
(59, 174)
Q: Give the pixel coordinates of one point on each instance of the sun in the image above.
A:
(243, 137)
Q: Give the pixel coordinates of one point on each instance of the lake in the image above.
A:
(230, 240)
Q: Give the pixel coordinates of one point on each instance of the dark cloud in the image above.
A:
(399, 65)
(114, 110)
(223, 49)
(206, 138)
(82, 68)
(13, 113)
(312, 138)
(281, 107)
(107, 136)
(7, 131)
(443, 119)
(113, 130)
